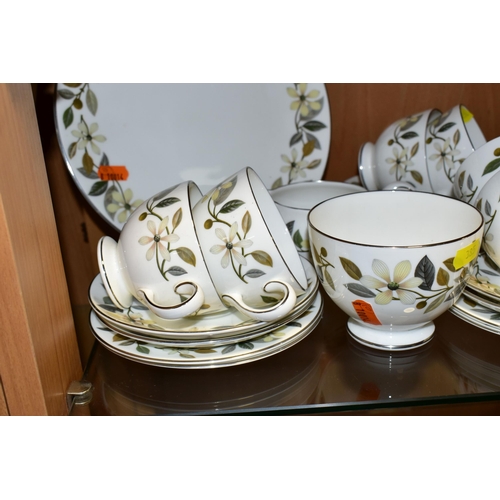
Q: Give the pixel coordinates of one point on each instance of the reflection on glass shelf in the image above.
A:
(325, 372)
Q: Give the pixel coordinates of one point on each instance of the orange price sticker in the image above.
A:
(365, 312)
(112, 173)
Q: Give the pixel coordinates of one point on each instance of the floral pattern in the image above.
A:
(447, 155)
(233, 235)
(307, 104)
(404, 149)
(87, 140)
(419, 289)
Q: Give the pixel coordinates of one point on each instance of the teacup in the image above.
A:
(398, 155)
(248, 250)
(295, 200)
(488, 202)
(476, 170)
(450, 139)
(394, 261)
(158, 260)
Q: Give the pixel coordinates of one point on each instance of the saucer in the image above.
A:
(476, 314)
(485, 278)
(267, 344)
(139, 319)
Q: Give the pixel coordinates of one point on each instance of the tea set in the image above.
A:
(233, 274)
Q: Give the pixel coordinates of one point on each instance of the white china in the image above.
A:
(488, 201)
(476, 170)
(485, 278)
(247, 248)
(398, 155)
(450, 139)
(394, 261)
(270, 343)
(476, 314)
(295, 200)
(164, 134)
(139, 319)
(158, 259)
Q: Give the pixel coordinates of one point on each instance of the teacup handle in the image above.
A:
(273, 313)
(176, 311)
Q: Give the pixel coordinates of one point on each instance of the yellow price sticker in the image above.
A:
(466, 254)
(466, 114)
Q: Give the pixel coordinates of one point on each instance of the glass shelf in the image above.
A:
(325, 373)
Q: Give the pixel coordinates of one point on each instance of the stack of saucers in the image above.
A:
(204, 281)
(208, 341)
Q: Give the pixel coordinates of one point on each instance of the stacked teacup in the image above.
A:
(421, 152)
(182, 254)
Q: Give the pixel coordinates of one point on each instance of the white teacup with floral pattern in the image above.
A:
(476, 170)
(488, 201)
(394, 261)
(158, 259)
(248, 250)
(450, 139)
(398, 155)
(295, 200)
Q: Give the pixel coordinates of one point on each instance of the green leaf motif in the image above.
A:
(119, 338)
(68, 117)
(88, 162)
(66, 94)
(177, 218)
(254, 273)
(104, 160)
(417, 176)
(435, 303)
(72, 149)
(142, 349)
(443, 277)
(225, 190)
(246, 345)
(91, 175)
(492, 166)
(91, 101)
(98, 188)
(176, 271)
(314, 125)
(314, 164)
(426, 271)
(297, 239)
(329, 279)
(414, 150)
(108, 199)
(449, 264)
(409, 135)
(277, 183)
(246, 222)
(412, 121)
(295, 138)
(262, 257)
(360, 290)
(167, 202)
(268, 300)
(446, 127)
(350, 268)
(186, 255)
(228, 349)
(231, 206)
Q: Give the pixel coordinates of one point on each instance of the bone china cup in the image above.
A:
(398, 155)
(248, 250)
(476, 170)
(450, 139)
(394, 261)
(158, 259)
(295, 200)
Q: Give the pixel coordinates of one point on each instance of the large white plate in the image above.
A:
(139, 319)
(164, 134)
(258, 348)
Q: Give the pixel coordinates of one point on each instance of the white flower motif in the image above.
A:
(157, 239)
(230, 248)
(294, 167)
(443, 155)
(399, 162)
(85, 135)
(396, 285)
(122, 201)
(303, 102)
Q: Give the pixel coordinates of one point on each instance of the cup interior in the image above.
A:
(305, 195)
(395, 219)
(277, 228)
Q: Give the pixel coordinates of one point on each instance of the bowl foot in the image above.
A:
(390, 340)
